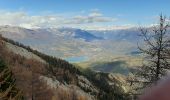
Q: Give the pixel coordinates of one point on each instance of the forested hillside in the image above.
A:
(54, 79)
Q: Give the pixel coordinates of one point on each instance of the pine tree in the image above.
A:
(8, 89)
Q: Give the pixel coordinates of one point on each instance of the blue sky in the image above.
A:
(82, 13)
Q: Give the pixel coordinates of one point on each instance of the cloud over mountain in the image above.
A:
(26, 20)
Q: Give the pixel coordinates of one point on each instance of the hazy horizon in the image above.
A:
(89, 14)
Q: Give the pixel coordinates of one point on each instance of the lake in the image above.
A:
(76, 59)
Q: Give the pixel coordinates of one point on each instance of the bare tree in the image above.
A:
(155, 50)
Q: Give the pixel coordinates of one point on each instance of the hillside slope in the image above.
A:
(43, 77)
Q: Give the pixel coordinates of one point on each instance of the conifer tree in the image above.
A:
(8, 90)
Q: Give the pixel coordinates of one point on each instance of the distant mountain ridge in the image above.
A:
(65, 32)
(131, 34)
(78, 33)
(71, 42)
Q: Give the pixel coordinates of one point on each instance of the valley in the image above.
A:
(98, 50)
(84, 50)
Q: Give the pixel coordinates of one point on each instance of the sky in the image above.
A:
(85, 14)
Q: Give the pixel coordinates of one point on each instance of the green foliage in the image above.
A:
(2, 65)
(7, 84)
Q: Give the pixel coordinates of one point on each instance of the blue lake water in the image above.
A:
(76, 59)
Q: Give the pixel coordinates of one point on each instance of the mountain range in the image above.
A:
(84, 47)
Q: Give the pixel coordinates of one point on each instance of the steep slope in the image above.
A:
(55, 79)
(23, 52)
(8, 88)
(32, 74)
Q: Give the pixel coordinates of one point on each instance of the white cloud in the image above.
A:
(23, 19)
(91, 18)
(109, 27)
(95, 14)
